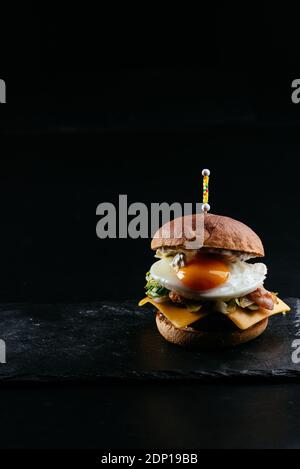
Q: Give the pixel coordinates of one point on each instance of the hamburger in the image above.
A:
(214, 295)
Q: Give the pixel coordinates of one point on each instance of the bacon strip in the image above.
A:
(175, 298)
(262, 297)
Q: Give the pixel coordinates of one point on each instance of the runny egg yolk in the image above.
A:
(204, 272)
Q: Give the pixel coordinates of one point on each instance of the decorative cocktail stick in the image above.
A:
(205, 174)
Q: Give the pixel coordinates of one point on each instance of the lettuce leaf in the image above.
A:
(153, 288)
(242, 302)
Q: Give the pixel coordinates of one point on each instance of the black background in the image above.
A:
(138, 101)
(49, 198)
(103, 102)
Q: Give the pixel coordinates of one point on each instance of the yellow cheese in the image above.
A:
(180, 317)
(244, 319)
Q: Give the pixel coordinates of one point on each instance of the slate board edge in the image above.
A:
(160, 376)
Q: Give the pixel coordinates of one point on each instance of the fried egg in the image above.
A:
(209, 277)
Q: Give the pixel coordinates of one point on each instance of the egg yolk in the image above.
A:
(204, 272)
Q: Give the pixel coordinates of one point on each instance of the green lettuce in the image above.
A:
(242, 302)
(153, 288)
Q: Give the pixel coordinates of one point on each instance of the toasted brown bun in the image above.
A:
(190, 337)
(219, 232)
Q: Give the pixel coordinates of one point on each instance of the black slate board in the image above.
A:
(120, 341)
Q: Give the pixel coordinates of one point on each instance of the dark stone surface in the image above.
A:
(120, 341)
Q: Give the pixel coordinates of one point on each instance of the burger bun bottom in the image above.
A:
(207, 339)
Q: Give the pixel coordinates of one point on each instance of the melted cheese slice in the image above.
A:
(180, 317)
(243, 319)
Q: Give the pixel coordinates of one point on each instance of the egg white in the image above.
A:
(243, 279)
